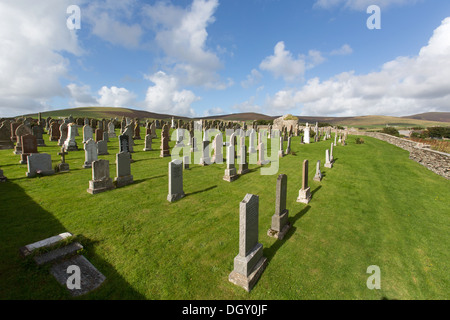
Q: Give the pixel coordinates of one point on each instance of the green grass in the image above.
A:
(374, 207)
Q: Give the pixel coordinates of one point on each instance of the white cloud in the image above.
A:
(116, 97)
(213, 112)
(342, 51)
(112, 22)
(252, 79)
(406, 85)
(181, 34)
(166, 97)
(248, 106)
(32, 36)
(81, 96)
(282, 64)
(360, 4)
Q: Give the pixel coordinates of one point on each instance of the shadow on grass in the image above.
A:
(200, 191)
(270, 252)
(24, 222)
(315, 190)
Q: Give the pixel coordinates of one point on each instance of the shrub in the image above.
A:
(391, 131)
(359, 140)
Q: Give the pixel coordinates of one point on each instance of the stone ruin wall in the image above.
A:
(438, 162)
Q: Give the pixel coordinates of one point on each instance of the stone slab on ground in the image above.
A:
(29, 248)
(58, 254)
(90, 278)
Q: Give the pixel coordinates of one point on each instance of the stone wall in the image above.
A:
(438, 162)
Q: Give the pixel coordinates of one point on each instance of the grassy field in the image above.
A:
(374, 207)
(376, 122)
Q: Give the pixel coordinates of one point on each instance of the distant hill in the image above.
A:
(429, 119)
(104, 112)
(431, 116)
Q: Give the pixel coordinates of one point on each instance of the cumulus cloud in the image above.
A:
(165, 96)
(283, 64)
(181, 34)
(406, 85)
(33, 35)
(342, 51)
(107, 97)
(252, 79)
(112, 21)
(213, 112)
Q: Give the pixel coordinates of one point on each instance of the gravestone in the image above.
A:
(63, 166)
(29, 146)
(250, 262)
(218, 148)
(252, 142)
(205, 160)
(13, 128)
(280, 220)
(230, 171)
(88, 133)
(102, 148)
(137, 131)
(243, 164)
(288, 149)
(100, 176)
(90, 153)
(123, 170)
(63, 129)
(111, 130)
(39, 164)
(306, 133)
(70, 144)
(21, 131)
(165, 151)
(148, 143)
(186, 161)
(331, 153)
(153, 130)
(54, 133)
(328, 163)
(129, 132)
(262, 150)
(318, 176)
(175, 181)
(281, 151)
(5, 137)
(98, 134)
(304, 194)
(38, 132)
(105, 136)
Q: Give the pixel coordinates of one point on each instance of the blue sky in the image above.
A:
(206, 57)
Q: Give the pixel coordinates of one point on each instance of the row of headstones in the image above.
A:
(250, 262)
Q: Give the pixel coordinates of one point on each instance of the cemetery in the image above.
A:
(108, 196)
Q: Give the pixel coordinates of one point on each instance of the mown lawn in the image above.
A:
(374, 207)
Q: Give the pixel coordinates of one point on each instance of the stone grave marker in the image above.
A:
(29, 146)
(304, 194)
(175, 181)
(70, 144)
(280, 220)
(63, 166)
(250, 262)
(148, 143)
(328, 163)
(230, 171)
(21, 131)
(318, 176)
(90, 152)
(101, 181)
(123, 170)
(39, 164)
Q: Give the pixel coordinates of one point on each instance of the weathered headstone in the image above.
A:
(280, 220)
(331, 153)
(63, 166)
(54, 133)
(165, 151)
(306, 132)
(250, 262)
(29, 146)
(38, 132)
(281, 151)
(87, 133)
(5, 137)
(21, 131)
(243, 164)
(186, 161)
(304, 194)
(111, 130)
(98, 134)
(39, 164)
(91, 153)
(148, 143)
(230, 171)
(328, 163)
(102, 148)
(70, 144)
(218, 148)
(288, 149)
(100, 176)
(175, 181)
(123, 170)
(318, 176)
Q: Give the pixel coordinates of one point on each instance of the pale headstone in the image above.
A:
(148, 143)
(328, 163)
(243, 164)
(230, 171)
(175, 181)
(63, 166)
(88, 133)
(70, 144)
(304, 194)
(318, 176)
(100, 176)
(102, 148)
(306, 132)
(39, 164)
(250, 262)
(91, 153)
(280, 220)
(123, 170)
